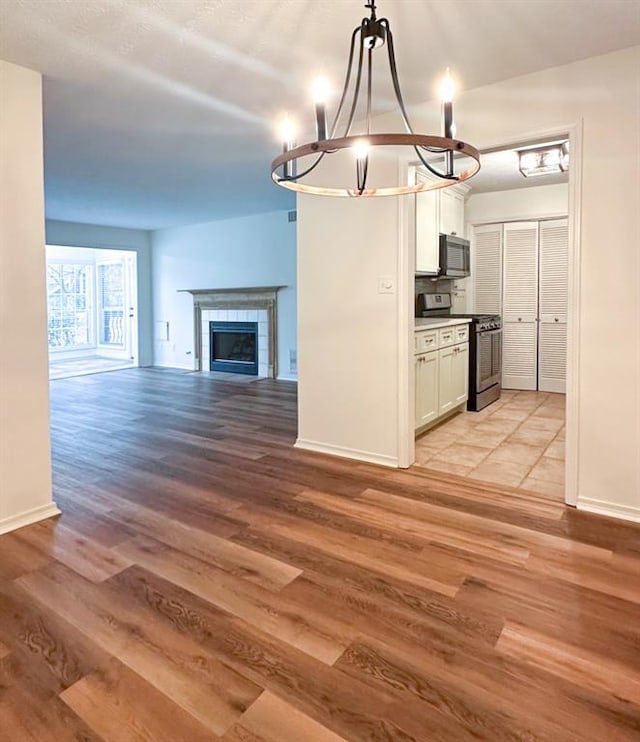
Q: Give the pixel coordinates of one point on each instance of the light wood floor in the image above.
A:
(208, 582)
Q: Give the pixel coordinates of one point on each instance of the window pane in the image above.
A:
(68, 302)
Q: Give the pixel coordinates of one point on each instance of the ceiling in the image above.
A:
(160, 112)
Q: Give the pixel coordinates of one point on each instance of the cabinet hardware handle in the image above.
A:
(519, 319)
(555, 319)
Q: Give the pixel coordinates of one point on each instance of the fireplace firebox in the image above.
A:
(234, 347)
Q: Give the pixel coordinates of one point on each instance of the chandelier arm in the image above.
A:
(432, 169)
(356, 91)
(346, 81)
(362, 169)
(394, 75)
(294, 178)
(369, 55)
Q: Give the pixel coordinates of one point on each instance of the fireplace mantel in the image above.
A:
(247, 297)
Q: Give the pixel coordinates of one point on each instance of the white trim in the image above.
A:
(574, 132)
(287, 377)
(610, 509)
(572, 401)
(405, 308)
(28, 517)
(173, 365)
(347, 453)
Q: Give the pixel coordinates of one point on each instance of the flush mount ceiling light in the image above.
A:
(543, 160)
(371, 34)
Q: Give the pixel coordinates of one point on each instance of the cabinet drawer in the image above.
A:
(462, 333)
(446, 336)
(426, 341)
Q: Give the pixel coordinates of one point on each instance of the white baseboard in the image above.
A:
(347, 453)
(287, 377)
(611, 509)
(28, 517)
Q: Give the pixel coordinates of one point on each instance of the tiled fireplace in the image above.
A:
(244, 306)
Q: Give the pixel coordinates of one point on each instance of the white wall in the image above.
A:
(517, 204)
(602, 96)
(25, 462)
(72, 234)
(348, 332)
(257, 250)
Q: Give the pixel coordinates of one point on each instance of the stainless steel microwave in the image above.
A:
(455, 257)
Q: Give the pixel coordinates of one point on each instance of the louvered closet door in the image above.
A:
(552, 339)
(487, 268)
(520, 305)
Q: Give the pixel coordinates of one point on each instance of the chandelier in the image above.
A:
(292, 168)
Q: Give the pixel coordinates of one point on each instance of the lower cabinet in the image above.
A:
(426, 388)
(442, 382)
(453, 385)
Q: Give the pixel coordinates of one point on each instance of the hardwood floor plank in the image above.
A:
(231, 557)
(119, 705)
(582, 667)
(322, 638)
(349, 707)
(29, 710)
(87, 557)
(429, 530)
(214, 694)
(209, 581)
(273, 720)
(365, 552)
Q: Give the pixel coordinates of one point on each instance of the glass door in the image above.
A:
(116, 304)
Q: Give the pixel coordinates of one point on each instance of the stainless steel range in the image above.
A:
(485, 348)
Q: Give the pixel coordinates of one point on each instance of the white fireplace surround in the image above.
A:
(246, 304)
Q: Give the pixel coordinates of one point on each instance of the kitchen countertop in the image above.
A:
(432, 323)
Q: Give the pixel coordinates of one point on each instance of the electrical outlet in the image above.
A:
(293, 361)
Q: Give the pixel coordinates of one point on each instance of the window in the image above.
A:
(111, 303)
(69, 305)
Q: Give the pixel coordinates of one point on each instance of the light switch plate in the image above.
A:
(386, 285)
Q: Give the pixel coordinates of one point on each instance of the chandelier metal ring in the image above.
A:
(441, 144)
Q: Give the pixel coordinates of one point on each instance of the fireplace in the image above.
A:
(248, 305)
(233, 347)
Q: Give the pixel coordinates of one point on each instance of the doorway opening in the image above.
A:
(92, 312)
(522, 254)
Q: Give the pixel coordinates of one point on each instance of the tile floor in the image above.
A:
(517, 441)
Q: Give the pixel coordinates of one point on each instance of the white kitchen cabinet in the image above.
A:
(440, 211)
(426, 388)
(427, 233)
(451, 212)
(453, 372)
(441, 372)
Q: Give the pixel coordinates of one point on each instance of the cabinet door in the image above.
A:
(460, 373)
(427, 233)
(426, 388)
(446, 380)
(451, 212)
(552, 328)
(520, 306)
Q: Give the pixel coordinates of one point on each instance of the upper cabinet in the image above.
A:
(427, 232)
(438, 211)
(451, 212)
